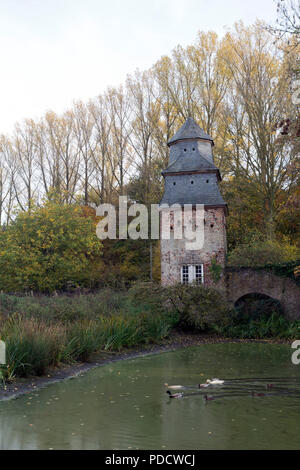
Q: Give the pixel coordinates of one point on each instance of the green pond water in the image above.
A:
(124, 405)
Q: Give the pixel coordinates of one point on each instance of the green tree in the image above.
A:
(47, 248)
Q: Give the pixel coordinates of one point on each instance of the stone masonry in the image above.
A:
(245, 281)
(192, 179)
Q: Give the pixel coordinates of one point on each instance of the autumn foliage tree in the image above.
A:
(48, 248)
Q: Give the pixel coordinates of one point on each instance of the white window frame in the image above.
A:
(185, 274)
(194, 277)
(199, 277)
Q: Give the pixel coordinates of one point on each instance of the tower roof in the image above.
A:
(190, 130)
(192, 163)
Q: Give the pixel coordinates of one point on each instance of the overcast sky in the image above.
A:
(56, 51)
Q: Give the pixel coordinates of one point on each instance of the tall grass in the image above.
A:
(44, 332)
(32, 346)
(65, 308)
(118, 332)
(81, 341)
(274, 326)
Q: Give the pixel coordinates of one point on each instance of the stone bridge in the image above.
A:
(244, 281)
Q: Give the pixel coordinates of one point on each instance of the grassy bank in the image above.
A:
(43, 332)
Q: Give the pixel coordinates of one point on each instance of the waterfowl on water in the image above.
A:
(174, 395)
(208, 398)
(215, 382)
(174, 387)
(207, 384)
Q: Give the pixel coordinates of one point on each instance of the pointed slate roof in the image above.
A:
(191, 163)
(190, 130)
(213, 199)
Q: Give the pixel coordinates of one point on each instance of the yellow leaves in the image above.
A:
(206, 43)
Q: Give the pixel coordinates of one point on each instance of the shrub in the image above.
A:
(199, 308)
(262, 253)
(150, 295)
(215, 270)
(47, 248)
(189, 307)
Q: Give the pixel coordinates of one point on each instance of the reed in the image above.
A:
(32, 346)
(48, 331)
(275, 326)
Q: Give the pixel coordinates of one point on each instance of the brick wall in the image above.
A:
(174, 253)
(250, 281)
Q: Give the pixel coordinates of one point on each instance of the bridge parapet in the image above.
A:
(244, 281)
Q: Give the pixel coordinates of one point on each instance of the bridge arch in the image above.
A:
(246, 281)
(256, 304)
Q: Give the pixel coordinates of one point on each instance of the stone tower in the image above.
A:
(192, 178)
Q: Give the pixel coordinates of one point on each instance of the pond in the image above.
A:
(124, 405)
